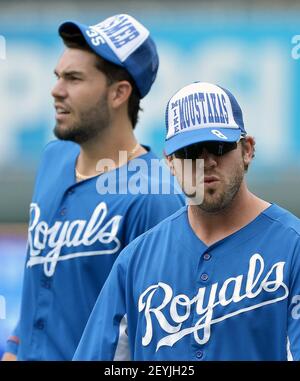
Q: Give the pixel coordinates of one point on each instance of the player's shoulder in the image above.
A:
(159, 231)
(159, 199)
(59, 147)
(284, 218)
(156, 178)
(176, 218)
(159, 173)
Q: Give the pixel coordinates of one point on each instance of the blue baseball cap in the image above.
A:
(202, 112)
(124, 41)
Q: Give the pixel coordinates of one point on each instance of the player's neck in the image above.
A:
(108, 146)
(212, 227)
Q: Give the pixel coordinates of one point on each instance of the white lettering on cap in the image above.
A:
(122, 33)
(197, 106)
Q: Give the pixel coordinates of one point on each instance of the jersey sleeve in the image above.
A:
(105, 335)
(294, 308)
(149, 211)
(12, 343)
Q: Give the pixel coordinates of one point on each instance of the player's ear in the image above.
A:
(248, 149)
(119, 93)
(170, 164)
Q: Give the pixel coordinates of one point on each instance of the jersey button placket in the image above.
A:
(205, 265)
(203, 280)
(199, 354)
(63, 212)
(206, 256)
(46, 283)
(39, 324)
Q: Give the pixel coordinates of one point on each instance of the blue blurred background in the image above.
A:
(248, 47)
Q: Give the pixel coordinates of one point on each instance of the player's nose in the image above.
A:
(59, 90)
(209, 159)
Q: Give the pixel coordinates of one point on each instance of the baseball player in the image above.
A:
(219, 280)
(76, 231)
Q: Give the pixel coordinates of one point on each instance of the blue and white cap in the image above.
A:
(122, 40)
(202, 112)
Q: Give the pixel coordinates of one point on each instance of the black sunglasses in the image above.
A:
(194, 151)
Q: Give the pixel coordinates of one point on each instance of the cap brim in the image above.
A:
(186, 138)
(103, 50)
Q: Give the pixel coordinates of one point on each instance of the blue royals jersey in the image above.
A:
(171, 297)
(75, 234)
